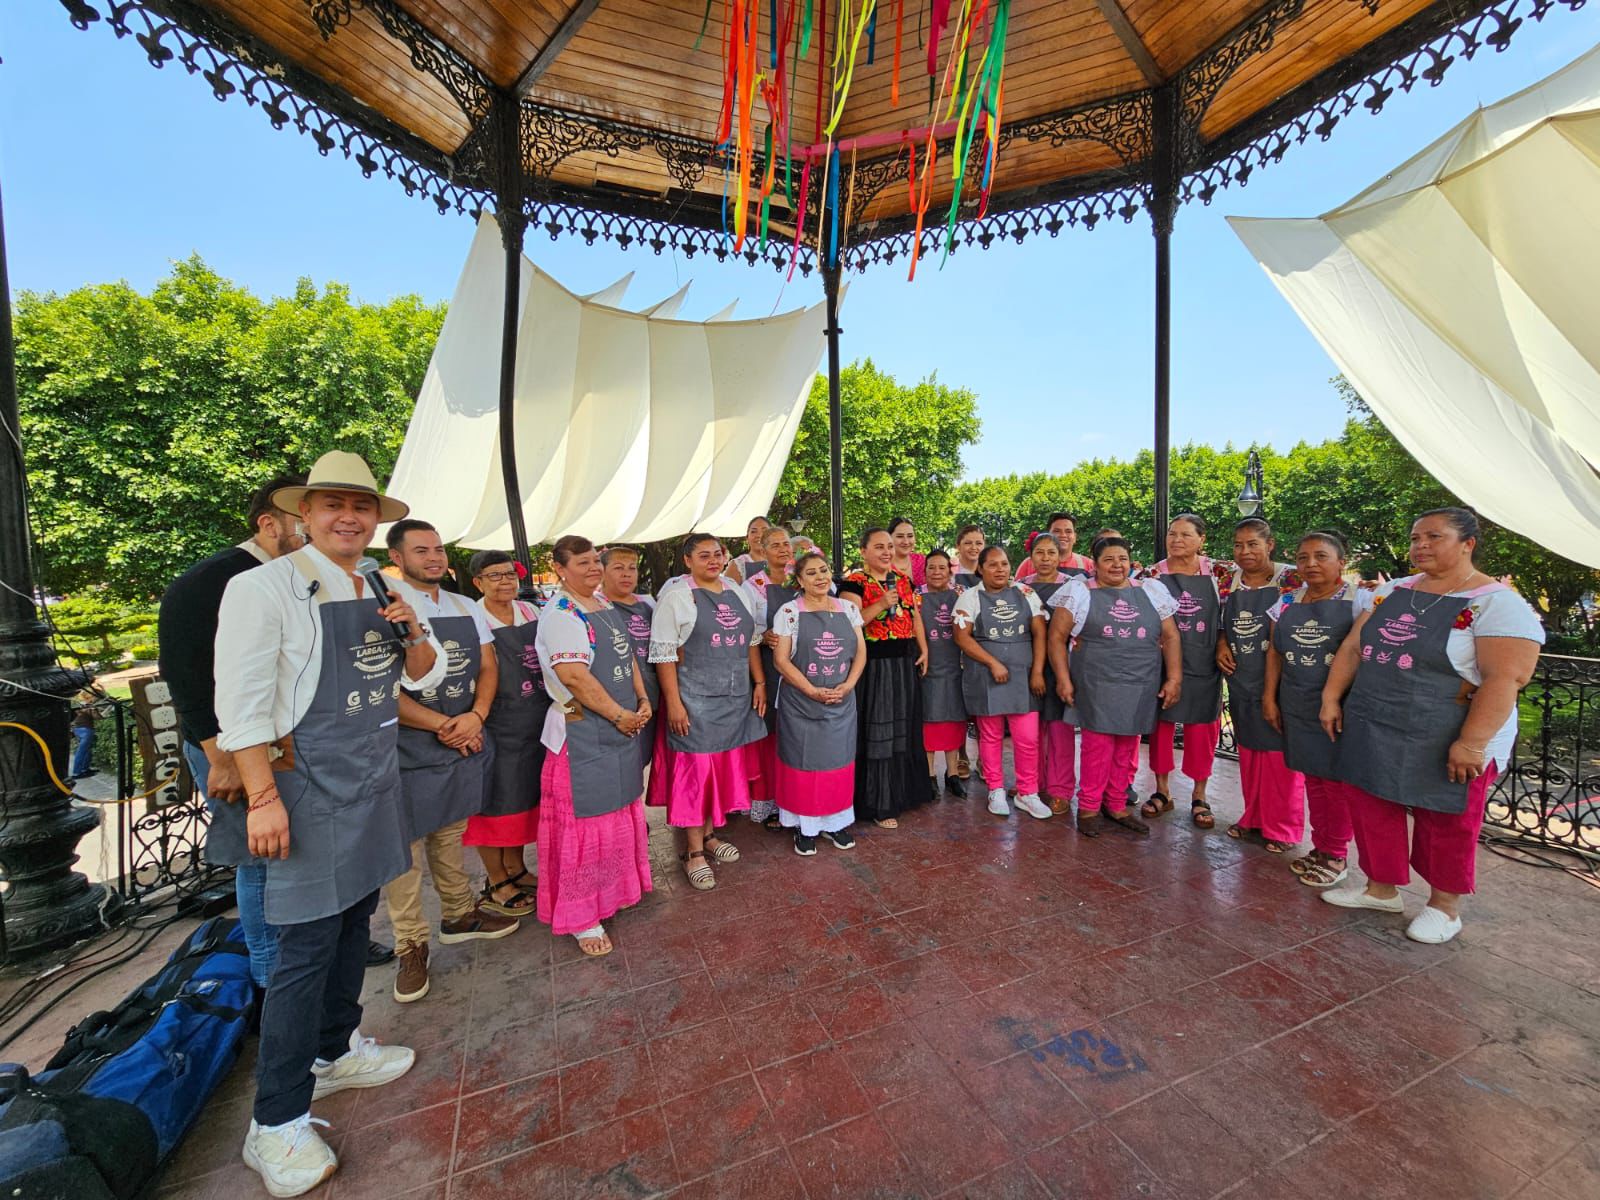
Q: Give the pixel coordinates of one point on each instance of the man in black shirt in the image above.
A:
(187, 633)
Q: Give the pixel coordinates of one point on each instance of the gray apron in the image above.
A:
(1004, 629)
(1073, 572)
(347, 829)
(439, 786)
(966, 580)
(1116, 663)
(777, 597)
(941, 686)
(1049, 704)
(714, 677)
(813, 736)
(516, 722)
(1249, 633)
(1306, 636)
(607, 765)
(1200, 702)
(637, 616)
(1407, 704)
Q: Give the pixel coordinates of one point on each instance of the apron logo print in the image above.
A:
(1246, 625)
(530, 659)
(375, 655)
(1142, 632)
(811, 668)
(638, 627)
(726, 617)
(621, 643)
(394, 692)
(1312, 633)
(527, 687)
(1405, 662)
(1004, 610)
(829, 646)
(455, 691)
(456, 658)
(942, 615)
(352, 703)
(376, 695)
(431, 694)
(1385, 655)
(1400, 630)
(1366, 653)
(1187, 604)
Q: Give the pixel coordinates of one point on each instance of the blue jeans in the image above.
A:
(84, 736)
(249, 885)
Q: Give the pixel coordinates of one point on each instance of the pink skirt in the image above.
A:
(698, 789)
(762, 767)
(589, 867)
(943, 735)
(815, 793)
(516, 829)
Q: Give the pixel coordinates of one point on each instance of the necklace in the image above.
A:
(1471, 571)
(1310, 599)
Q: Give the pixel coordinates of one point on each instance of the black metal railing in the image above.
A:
(1548, 791)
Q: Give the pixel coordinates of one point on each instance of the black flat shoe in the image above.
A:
(935, 792)
(1131, 821)
(378, 954)
(956, 786)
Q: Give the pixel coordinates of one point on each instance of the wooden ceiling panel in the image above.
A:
(359, 58)
(500, 37)
(1326, 33)
(1176, 32)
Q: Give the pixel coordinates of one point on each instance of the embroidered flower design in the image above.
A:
(1377, 600)
(1465, 618)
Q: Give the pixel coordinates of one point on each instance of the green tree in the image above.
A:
(98, 624)
(902, 452)
(149, 420)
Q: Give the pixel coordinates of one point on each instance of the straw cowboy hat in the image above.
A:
(341, 471)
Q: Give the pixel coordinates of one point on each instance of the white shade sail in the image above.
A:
(630, 426)
(1458, 294)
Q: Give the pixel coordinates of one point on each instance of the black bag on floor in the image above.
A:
(127, 1084)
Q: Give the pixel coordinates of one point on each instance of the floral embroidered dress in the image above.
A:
(891, 769)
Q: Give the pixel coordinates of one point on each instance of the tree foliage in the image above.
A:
(149, 420)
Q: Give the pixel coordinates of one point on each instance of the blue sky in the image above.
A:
(111, 169)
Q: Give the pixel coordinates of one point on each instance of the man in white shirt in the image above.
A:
(309, 671)
(445, 759)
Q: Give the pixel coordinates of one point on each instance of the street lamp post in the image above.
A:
(1250, 495)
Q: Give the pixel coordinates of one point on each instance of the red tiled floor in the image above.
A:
(990, 1009)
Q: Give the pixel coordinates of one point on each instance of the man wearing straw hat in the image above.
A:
(309, 670)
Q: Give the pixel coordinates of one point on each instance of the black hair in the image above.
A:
(1330, 536)
(989, 552)
(569, 547)
(866, 534)
(1194, 519)
(484, 559)
(261, 500)
(935, 553)
(1040, 537)
(758, 517)
(1060, 516)
(1259, 524)
(1463, 520)
(966, 529)
(694, 540)
(605, 555)
(896, 522)
(1101, 545)
(801, 562)
(397, 532)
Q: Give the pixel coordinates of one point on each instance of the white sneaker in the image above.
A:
(1034, 807)
(1433, 927)
(291, 1158)
(1358, 898)
(997, 802)
(368, 1064)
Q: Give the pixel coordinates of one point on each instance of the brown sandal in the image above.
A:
(1089, 824)
(1158, 803)
(1273, 847)
(1129, 821)
(1243, 833)
(1200, 813)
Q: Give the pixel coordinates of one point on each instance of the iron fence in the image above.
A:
(1547, 791)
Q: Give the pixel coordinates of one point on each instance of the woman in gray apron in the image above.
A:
(509, 819)
(1000, 628)
(944, 712)
(620, 586)
(821, 654)
(713, 689)
(969, 544)
(1116, 654)
(594, 856)
(1308, 626)
(1432, 672)
(767, 588)
(1274, 793)
(1194, 581)
(1058, 770)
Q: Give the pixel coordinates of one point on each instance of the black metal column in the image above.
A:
(830, 291)
(513, 224)
(46, 903)
(1163, 208)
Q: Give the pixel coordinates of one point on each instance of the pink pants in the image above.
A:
(1199, 749)
(1444, 846)
(1060, 767)
(1024, 750)
(1105, 770)
(1274, 796)
(1330, 816)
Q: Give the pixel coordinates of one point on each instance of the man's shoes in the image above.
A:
(291, 1158)
(411, 980)
(997, 802)
(368, 1063)
(804, 846)
(378, 954)
(1060, 805)
(842, 839)
(956, 786)
(1034, 807)
(478, 925)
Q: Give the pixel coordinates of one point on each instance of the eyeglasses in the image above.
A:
(498, 576)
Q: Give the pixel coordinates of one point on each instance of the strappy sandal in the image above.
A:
(521, 903)
(602, 942)
(1323, 873)
(1129, 821)
(1243, 833)
(701, 878)
(887, 823)
(1299, 866)
(1158, 803)
(1272, 846)
(774, 822)
(531, 887)
(1202, 816)
(722, 851)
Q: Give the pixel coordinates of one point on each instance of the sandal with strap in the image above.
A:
(1243, 833)
(701, 878)
(521, 903)
(774, 822)
(1299, 866)
(722, 851)
(1158, 803)
(531, 887)
(1273, 846)
(1325, 872)
(1200, 813)
(594, 944)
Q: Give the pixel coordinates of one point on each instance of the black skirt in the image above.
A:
(891, 765)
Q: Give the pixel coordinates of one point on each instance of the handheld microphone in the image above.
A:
(370, 573)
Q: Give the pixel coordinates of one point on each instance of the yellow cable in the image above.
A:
(49, 766)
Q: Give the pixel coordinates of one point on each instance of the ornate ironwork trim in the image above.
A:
(1199, 82)
(472, 89)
